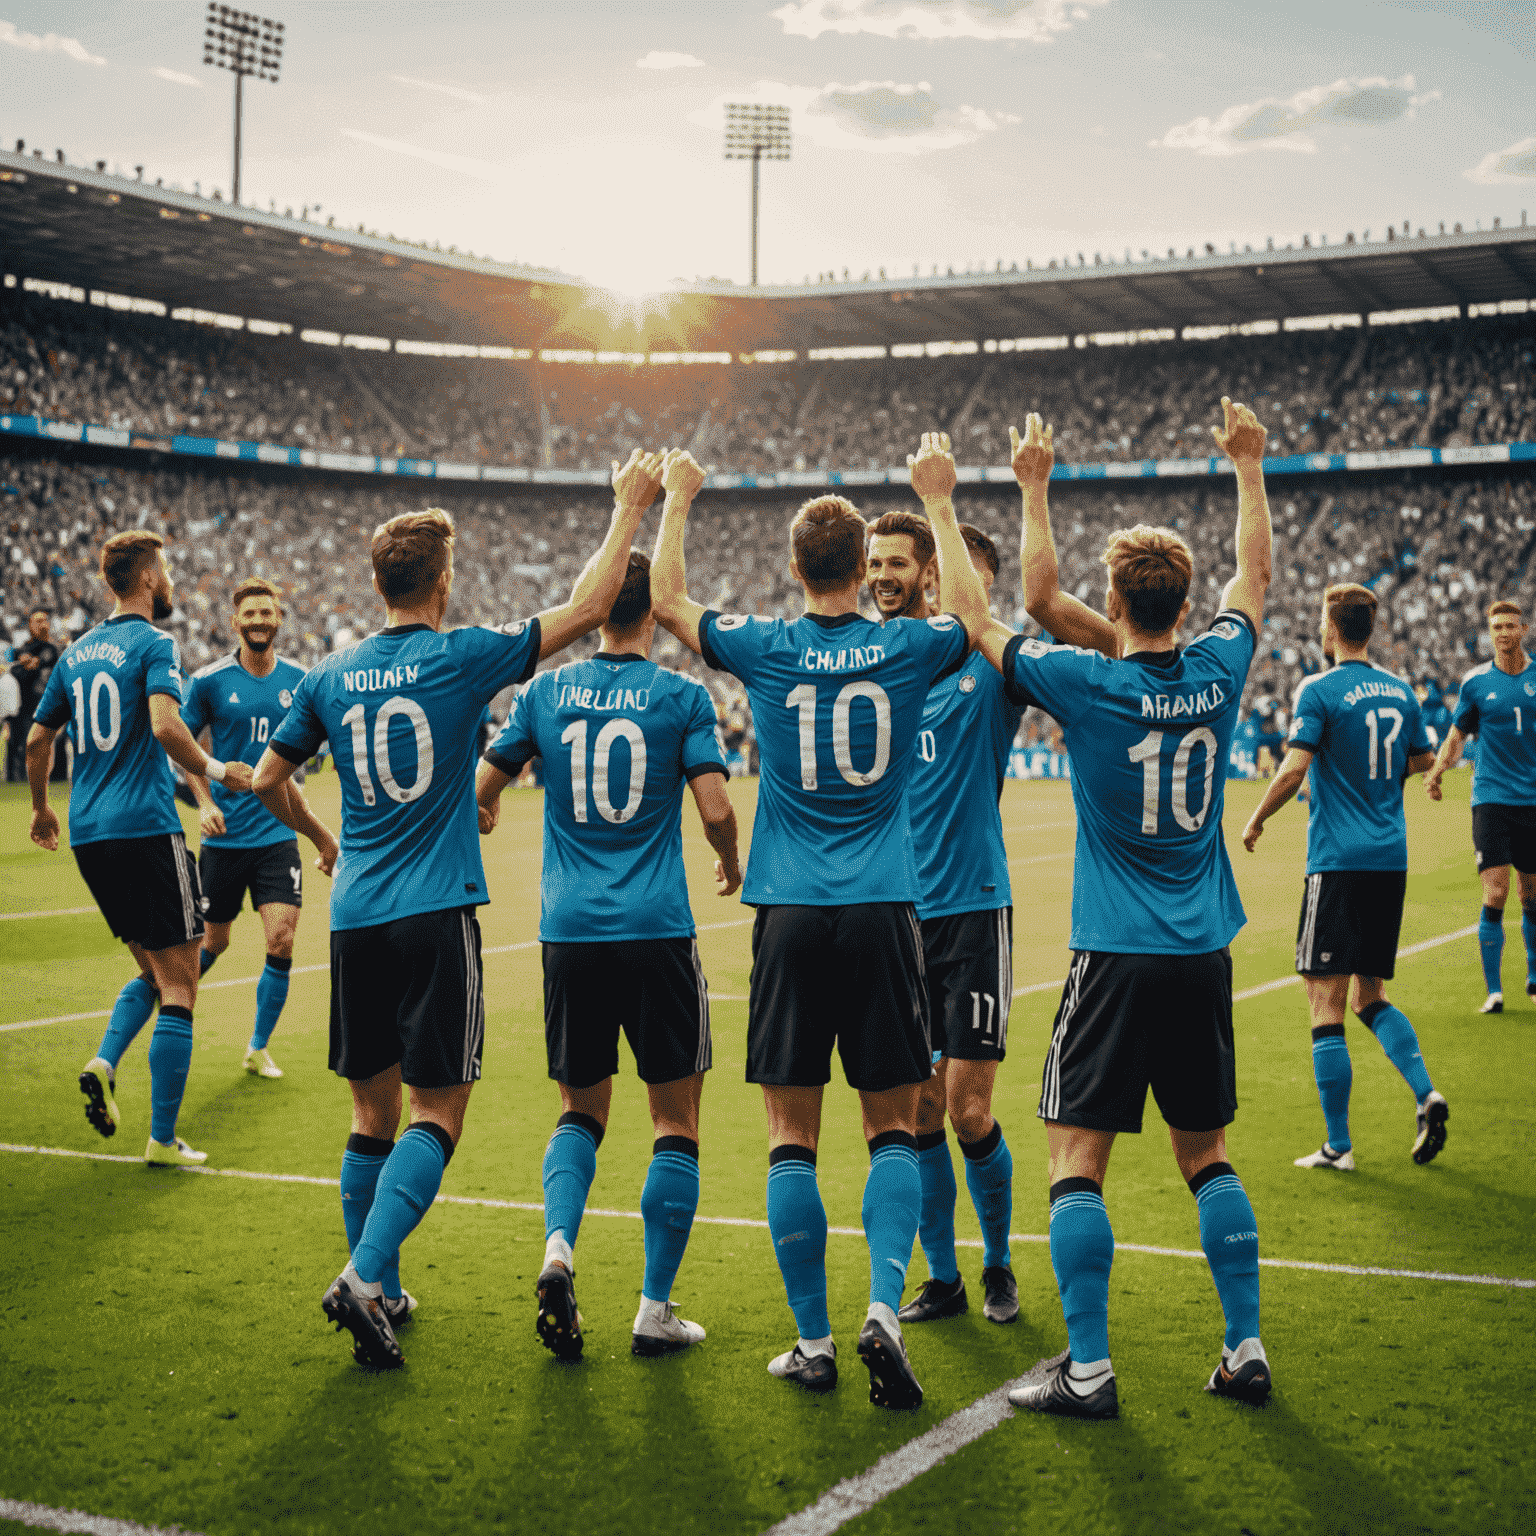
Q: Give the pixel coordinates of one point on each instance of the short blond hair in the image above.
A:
(1505, 605)
(1351, 609)
(1151, 568)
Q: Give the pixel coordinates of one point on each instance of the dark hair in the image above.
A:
(125, 555)
(1151, 569)
(1351, 609)
(914, 527)
(410, 552)
(634, 600)
(257, 586)
(1504, 605)
(981, 544)
(826, 539)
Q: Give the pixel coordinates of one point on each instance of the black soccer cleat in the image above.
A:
(891, 1382)
(1430, 1135)
(1052, 1393)
(938, 1298)
(1002, 1303)
(364, 1318)
(398, 1309)
(100, 1106)
(1243, 1375)
(558, 1324)
(816, 1373)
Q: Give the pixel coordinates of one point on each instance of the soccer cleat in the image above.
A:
(884, 1352)
(364, 1317)
(1054, 1393)
(1433, 1113)
(660, 1331)
(1002, 1303)
(558, 1324)
(816, 1373)
(259, 1063)
(1326, 1157)
(172, 1154)
(938, 1298)
(100, 1107)
(1494, 1003)
(1243, 1374)
(398, 1309)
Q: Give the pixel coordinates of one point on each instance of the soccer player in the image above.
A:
(1495, 699)
(837, 957)
(620, 738)
(402, 709)
(965, 908)
(240, 700)
(1358, 729)
(1148, 1000)
(121, 683)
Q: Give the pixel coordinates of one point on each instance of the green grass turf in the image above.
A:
(163, 1357)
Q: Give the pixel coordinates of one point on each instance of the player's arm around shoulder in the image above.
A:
(514, 745)
(1242, 439)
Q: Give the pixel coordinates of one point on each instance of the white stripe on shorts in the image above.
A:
(1050, 1091)
(1004, 976)
(179, 857)
(474, 1002)
(701, 1061)
(1307, 942)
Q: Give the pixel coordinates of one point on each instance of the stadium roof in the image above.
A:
(96, 231)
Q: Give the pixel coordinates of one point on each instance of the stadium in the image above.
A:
(262, 390)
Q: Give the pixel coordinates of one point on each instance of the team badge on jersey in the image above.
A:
(967, 684)
(234, 698)
(1530, 690)
(284, 698)
(733, 620)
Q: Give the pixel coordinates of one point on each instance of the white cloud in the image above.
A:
(458, 92)
(657, 59)
(70, 47)
(1286, 124)
(988, 20)
(1517, 163)
(481, 170)
(176, 77)
(879, 116)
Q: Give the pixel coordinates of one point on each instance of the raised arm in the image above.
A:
(171, 732)
(961, 593)
(1284, 784)
(675, 611)
(1242, 439)
(634, 489)
(1058, 613)
(1450, 752)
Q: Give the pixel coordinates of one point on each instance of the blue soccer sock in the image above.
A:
(361, 1165)
(1396, 1037)
(1490, 940)
(271, 994)
(1229, 1233)
(893, 1205)
(1082, 1253)
(1335, 1077)
(170, 1059)
(570, 1165)
(936, 1227)
(989, 1177)
(130, 1013)
(407, 1185)
(668, 1203)
(205, 959)
(797, 1222)
(1528, 933)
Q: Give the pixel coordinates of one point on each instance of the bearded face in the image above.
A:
(258, 620)
(895, 578)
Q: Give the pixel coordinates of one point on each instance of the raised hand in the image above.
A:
(1240, 436)
(682, 476)
(1033, 455)
(210, 821)
(45, 829)
(237, 777)
(932, 467)
(635, 484)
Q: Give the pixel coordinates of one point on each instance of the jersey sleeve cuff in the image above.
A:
(965, 651)
(535, 643)
(1015, 694)
(166, 688)
(1238, 617)
(290, 754)
(706, 650)
(700, 769)
(50, 723)
(511, 766)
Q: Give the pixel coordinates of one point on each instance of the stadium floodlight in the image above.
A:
(756, 132)
(244, 44)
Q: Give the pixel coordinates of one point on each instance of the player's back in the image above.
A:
(837, 704)
(619, 737)
(1498, 708)
(1361, 724)
(122, 786)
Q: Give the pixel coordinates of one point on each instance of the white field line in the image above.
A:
(43, 1518)
(10, 917)
(1042, 858)
(485, 1203)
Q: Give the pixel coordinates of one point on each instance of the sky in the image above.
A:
(587, 136)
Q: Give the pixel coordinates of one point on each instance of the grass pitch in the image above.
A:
(163, 1357)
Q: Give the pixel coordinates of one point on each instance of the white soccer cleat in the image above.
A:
(659, 1330)
(398, 1309)
(1326, 1157)
(259, 1063)
(1493, 1004)
(172, 1154)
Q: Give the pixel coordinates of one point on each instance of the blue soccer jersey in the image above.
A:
(241, 712)
(619, 737)
(402, 710)
(122, 786)
(969, 723)
(1362, 724)
(1497, 707)
(837, 704)
(1148, 738)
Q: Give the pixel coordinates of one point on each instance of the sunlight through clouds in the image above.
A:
(70, 47)
(932, 20)
(1503, 166)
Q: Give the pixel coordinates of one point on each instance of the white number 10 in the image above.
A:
(575, 735)
(1148, 752)
(803, 698)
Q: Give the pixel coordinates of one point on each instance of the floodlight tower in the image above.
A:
(244, 44)
(756, 132)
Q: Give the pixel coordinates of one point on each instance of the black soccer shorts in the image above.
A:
(1505, 834)
(271, 874)
(147, 888)
(969, 960)
(409, 992)
(1132, 1022)
(652, 989)
(845, 976)
(1350, 920)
